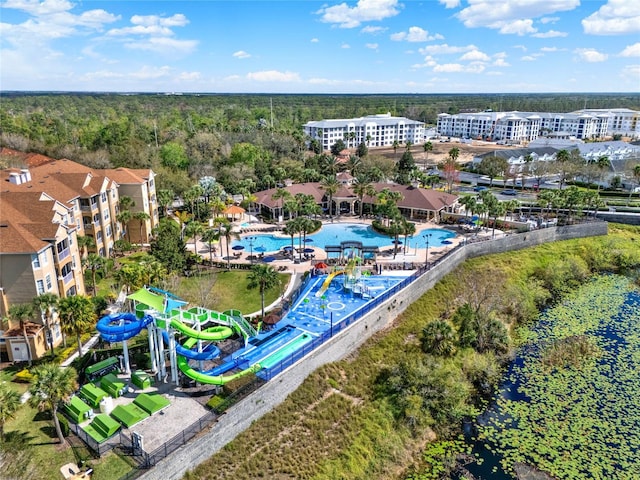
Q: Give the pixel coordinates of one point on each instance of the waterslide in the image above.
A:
(327, 282)
(213, 334)
(203, 377)
(210, 352)
(119, 327)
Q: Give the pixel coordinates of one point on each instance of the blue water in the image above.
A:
(333, 234)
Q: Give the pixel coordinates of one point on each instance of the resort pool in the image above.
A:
(334, 233)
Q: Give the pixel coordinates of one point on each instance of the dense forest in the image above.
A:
(253, 138)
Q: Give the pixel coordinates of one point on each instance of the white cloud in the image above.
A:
(513, 16)
(141, 30)
(529, 58)
(163, 45)
(372, 46)
(549, 49)
(590, 55)
(177, 20)
(314, 40)
(545, 20)
(345, 16)
(373, 30)
(445, 49)
(517, 27)
(550, 34)
(631, 51)
(415, 34)
(500, 62)
(631, 73)
(241, 54)
(345, 46)
(475, 56)
(450, 3)
(49, 20)
(273, 76)
(617, 17)
(189, 76)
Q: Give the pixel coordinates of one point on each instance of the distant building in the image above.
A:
(373, 130)
(519, 127)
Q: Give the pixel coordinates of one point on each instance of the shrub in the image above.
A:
(217, 403)
(23, 376)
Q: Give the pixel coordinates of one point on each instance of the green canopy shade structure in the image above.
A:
(112, 385)
(151, 402)
(92, 394)
(102, 428)
(141, 379)
(151, 299)
(77, 410)
(129, 415)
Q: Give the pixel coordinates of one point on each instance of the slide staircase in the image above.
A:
(244, 327)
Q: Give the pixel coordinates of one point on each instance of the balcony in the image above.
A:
(66, 278)
(64, 254)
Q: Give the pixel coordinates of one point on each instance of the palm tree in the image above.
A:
(21, 313)
(636, 175)
(469, 203)
(229, 234)
(454, 153)
(141, 217)
(126, 203)
(165, 199)
(9, 404)
(50, 387)
(46, 303)
(395, 146)
(291, 228)
(124, 217)
(183, 218)
(281, 194)
(438, 338)
(85, 243)
(193, 230)
(93, 262)
(330, 185)
(210, 235)
(427, 147)
(363, 187)
(408, 229)
(263, 277)
(77, 315)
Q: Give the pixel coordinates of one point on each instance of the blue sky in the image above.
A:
(365, 46)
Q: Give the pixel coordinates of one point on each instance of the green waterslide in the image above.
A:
(212, 334)
(183, 365)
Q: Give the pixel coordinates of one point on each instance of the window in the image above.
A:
(48, 280)
(99, 236)
(35, 260)
(45, 258)
(108, 230)
(40, 286)
(105, 214)
(70, 240)
(104, 196)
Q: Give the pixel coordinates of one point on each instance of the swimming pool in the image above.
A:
(334, 233)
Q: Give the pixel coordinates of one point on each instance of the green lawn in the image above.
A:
(227, 290)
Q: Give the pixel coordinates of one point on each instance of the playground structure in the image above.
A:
(164, 317)
(352, 278)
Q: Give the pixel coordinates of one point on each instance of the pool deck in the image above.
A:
(415, 255)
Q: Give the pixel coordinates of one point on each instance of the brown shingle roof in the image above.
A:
(26, 229)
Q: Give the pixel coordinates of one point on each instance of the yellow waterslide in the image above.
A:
(327, 282)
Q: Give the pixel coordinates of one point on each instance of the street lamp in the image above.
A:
(426, 239)
(251, 240)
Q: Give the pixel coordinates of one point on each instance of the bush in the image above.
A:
(217, 403)
(23, 376)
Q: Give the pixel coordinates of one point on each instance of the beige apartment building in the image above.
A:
(38, 254)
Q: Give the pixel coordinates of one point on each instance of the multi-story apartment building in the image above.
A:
(518, 127)
(38, 254)
(139, 185)
(93, 195)
(373, 130)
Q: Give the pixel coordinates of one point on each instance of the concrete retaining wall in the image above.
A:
(250, 409)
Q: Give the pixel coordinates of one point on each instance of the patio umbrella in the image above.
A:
(447, 242)
(268, 259)
(397, 242)
(321, 265)
(237, 247)
(307, 240)
(308, 250)
(288, 247)
(260, 248)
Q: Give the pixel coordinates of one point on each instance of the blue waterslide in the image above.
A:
(119, 327)
(208, 353)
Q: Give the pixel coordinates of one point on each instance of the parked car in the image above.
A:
(510, 192)
(480, 188)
